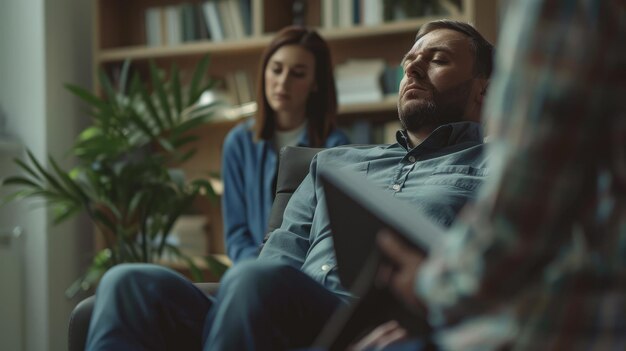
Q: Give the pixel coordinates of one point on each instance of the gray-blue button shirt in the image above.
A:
(439, 177)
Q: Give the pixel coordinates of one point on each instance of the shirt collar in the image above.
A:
(445, 135)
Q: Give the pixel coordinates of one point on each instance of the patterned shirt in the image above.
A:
(546, 242)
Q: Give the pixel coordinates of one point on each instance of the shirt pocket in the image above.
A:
(465, 177)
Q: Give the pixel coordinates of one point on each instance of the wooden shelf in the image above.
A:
(388, 104)
(411, 25)
(185, 49)
(257, 44)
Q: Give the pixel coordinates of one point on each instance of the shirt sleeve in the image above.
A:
(290, 243)
(549, 109)
(239, 241)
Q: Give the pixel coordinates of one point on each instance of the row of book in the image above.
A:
(347, 13)
(215, 20)
(366, 80)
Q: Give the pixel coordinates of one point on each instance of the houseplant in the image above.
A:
(126, 179)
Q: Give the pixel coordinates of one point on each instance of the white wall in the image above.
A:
(68, 60)
(45, 43)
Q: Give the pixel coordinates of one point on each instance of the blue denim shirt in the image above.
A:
(249, 174)
(439, 177)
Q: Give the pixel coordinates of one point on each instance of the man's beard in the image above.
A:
(443, 108)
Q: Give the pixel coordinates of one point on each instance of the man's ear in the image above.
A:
(483, 84)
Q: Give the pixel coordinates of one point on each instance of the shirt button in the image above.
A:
(412, 159)
(396, 187)
(325, 267)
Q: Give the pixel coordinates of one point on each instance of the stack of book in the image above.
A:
(359, 81)
(215, 20)
(348, 13)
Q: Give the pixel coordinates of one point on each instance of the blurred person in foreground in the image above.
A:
(539, 262)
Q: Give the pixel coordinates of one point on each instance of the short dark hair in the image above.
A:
(483, 49)
(321, 109)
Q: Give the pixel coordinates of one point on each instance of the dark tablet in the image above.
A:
(357, 210)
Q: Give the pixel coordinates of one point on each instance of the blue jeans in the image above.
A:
(259, 306)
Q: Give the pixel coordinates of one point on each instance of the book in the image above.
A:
(188, 22)
(154, 26)
(213, 21)
(226, 18)
(201, 26)
(245, 7)
(173, 27)
(234, 10)
(372, 12)
(359, 80)
(327, 14)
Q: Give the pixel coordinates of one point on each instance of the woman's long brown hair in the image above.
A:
(321, 109)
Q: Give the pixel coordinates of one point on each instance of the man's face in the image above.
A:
(438, 83)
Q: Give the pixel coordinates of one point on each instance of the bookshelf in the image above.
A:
(123, 31)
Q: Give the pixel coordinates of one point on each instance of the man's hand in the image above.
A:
(381, 337)
(401, 271)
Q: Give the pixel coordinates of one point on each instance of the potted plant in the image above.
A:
(126, 179)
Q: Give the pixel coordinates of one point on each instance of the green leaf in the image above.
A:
(208, 86)
(71, 185)
(19, 181)
(216, 267)
(183, 140)
(86, 96)
(166, 144)
(176, 89)
(177, 176)
(124, 76)
(27, 168)
(159, 87)
(138, 121)
(135, 201)
(147, 100)
(49, 177)
(187, 155)
(194, 92)
(206, 186)
(107, 87)
(188, 125)
(66, 213)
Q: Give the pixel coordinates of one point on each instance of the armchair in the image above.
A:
(293, 167)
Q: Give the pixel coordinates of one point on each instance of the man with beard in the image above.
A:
(283, 299)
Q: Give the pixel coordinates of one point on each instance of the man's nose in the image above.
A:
(416, 69)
